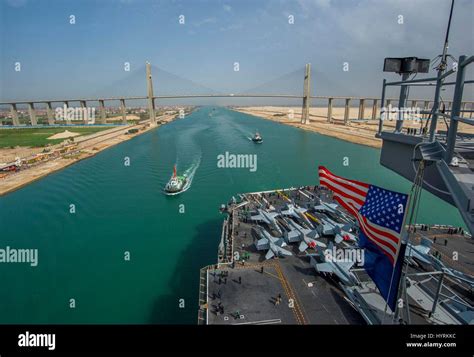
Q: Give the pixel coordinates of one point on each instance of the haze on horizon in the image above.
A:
(60, 59)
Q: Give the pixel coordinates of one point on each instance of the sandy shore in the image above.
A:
(87, 146)
(358, 132)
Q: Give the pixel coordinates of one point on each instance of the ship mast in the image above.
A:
(439, 82)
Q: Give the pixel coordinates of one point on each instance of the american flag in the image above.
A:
(380, 212)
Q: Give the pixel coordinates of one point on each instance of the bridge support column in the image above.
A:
(306, 95)
(14, 111)
(66, 114)
(374, 109)
(124, 111)
(361, 108)
(103, 118)
(31, 110)
(85, 112)
(329, 110)
(151, 101)
(49, 113)
(346, 111)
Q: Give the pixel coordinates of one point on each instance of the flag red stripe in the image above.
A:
(346, 205)
(342, 193)
(370, 233)
(394, 238)
(380, 243)
(363, 184)
(346, 183)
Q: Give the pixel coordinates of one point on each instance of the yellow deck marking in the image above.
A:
(312, 217)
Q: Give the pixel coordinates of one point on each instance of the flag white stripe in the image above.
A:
(371, 236)
(334, 178)
(353, 203)
(343, 189)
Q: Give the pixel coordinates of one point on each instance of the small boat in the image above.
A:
(257, 138)
(177, 183)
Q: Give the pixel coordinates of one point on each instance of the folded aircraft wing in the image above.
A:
(262, 244)
(269, 254)
(293, 236)
(303, 246)
(283, 251)
(257, 217)
(324, 268)
(272, 214)
(346, 265)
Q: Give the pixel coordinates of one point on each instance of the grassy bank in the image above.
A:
(37, 137)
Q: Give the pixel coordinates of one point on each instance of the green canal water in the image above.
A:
(122, 209)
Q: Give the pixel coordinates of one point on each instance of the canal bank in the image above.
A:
(85, 147)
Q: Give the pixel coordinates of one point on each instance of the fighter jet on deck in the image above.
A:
(307, 237)
(268, 218)
(296, 212)
(293, 211)
(419, 252)
(332, 266)
(339, 230)
(328, 207)
(332, 208)
(272, 244)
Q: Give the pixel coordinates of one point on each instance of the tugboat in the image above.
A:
(176, 184)
(257, 138)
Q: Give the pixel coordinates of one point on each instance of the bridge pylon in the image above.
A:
(151, 100)
(306, 95)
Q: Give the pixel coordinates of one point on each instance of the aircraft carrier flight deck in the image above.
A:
(272, 267)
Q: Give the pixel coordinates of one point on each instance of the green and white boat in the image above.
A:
(176, 184)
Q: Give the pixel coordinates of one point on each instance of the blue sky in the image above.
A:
(60, 59)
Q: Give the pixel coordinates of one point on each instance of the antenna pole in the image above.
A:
(439, 82)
